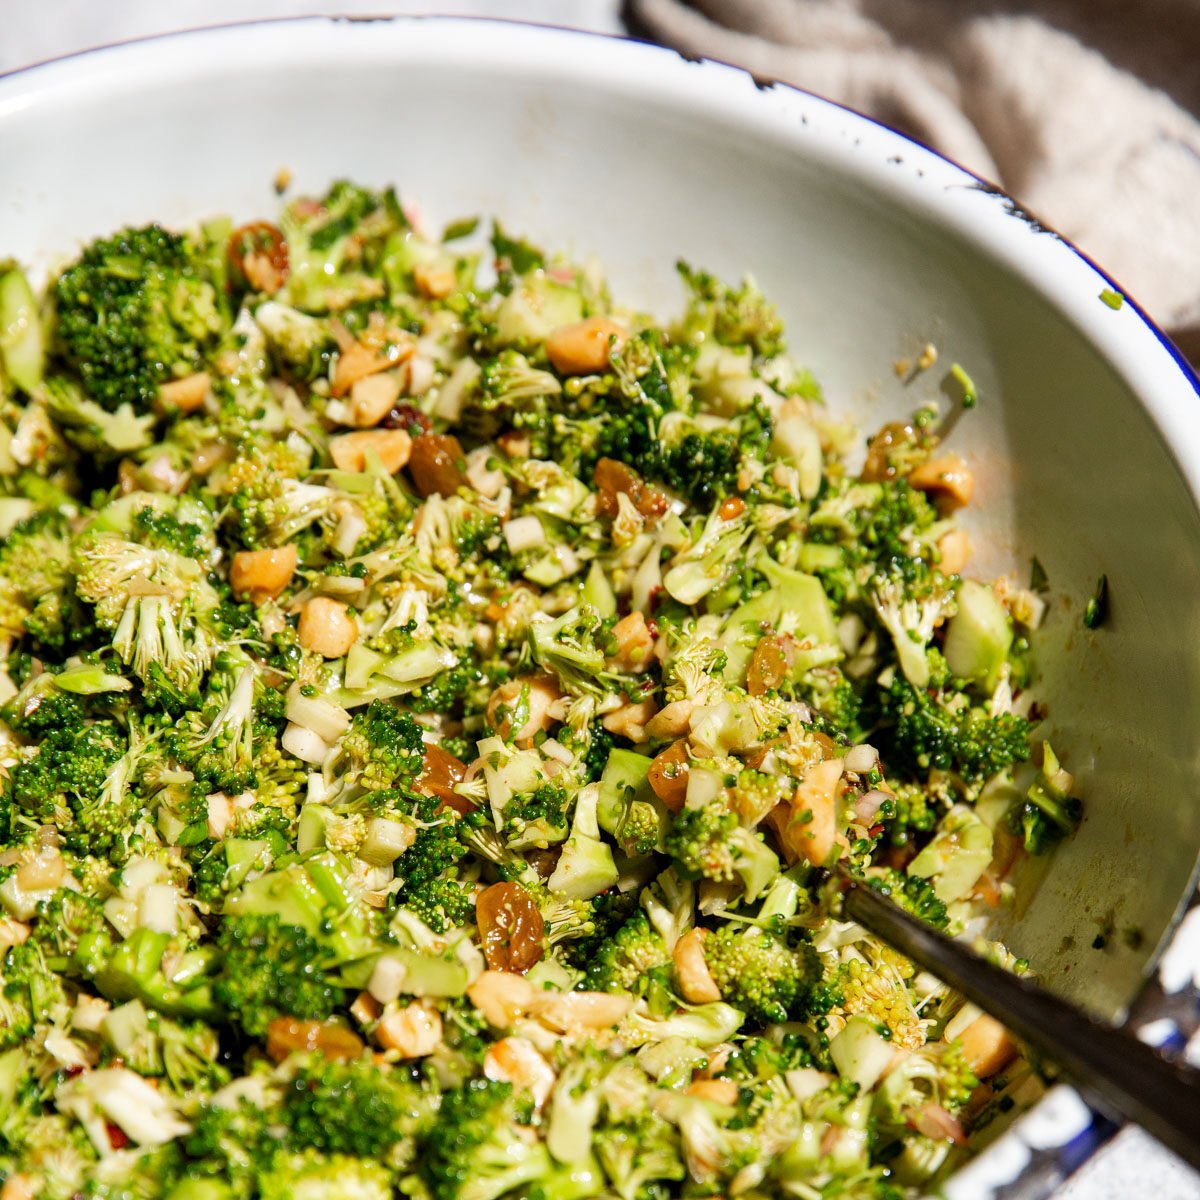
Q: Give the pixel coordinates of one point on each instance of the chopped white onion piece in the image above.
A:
(387, 979)
(157, 909)
(318, 714)
(861, 759)
(303, 744)
(385, 841)
(524, 533)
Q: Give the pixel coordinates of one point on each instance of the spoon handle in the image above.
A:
(1116, 1073)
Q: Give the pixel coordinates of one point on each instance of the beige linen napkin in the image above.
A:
(1085, 110)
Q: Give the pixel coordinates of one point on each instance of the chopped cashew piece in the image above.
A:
(413, 1032)
(987, 1046)
(672, 721)
(392, 447)
(184, 395)
(262, 574)
(434, 281)
(518, 1061)
(635, 643)
(372, 398)
(808, 826)
(326, 628)
(695, 979)
(954, 551)
(715, 1091)
(502, 997)
(583, 348)
(571, 1011)
(535, 698)
(630, 720)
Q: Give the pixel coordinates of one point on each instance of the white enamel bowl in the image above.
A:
(1086, 439)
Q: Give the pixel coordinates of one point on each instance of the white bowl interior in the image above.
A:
(870, 245)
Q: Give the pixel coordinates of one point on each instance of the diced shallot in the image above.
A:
(867, 805)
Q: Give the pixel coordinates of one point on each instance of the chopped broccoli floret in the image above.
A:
(384, 746)
(473, 1153)
(759, 972)
(710, 843)
(134, 311)
(924, 733)
(271, 969)
(623, 962)
(352, 1107)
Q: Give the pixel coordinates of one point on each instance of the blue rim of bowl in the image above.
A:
(1048, 1167)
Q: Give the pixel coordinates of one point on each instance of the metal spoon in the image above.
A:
(1117, 1074)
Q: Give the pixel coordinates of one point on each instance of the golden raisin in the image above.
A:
(771, 665)
(880, 464)
(612, 477)
(669, 775)
(259, 254)
(510, 927)
(439, 775)
(434, 464)
(286, 1035)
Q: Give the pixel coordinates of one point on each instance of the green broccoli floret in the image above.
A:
(708, 560)
(384, 747)
(759, 972)
(235, 1145)
(428, 870)
(185, 530)
(509, 380)
(910, 610)
(623, 961)
(924, 732)
(446, 691)
(758, 1058)
(185, 1053)
(349, 1107)
(68, 774)
(935, 1073)
(740, 316)
(166, 620)
(91, 427)
(473, 1153)
(329, 244)
(598, 751)
(65, 918)
(573, 647)
(710, 843)
(887, 526)
(308, 1175)
(134, 311)
(270, 969)
(913, 894)
(910, 812)
(221, 751)
(302, 345)
(703, 467)
(31, 994)
(37, 594)
(640, 1154)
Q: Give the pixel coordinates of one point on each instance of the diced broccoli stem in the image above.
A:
(978, 636)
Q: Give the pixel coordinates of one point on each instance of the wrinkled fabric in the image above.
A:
(1085, 110)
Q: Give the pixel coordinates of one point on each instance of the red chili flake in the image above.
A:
(116, 1136)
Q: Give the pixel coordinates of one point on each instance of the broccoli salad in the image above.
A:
(433, 697)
